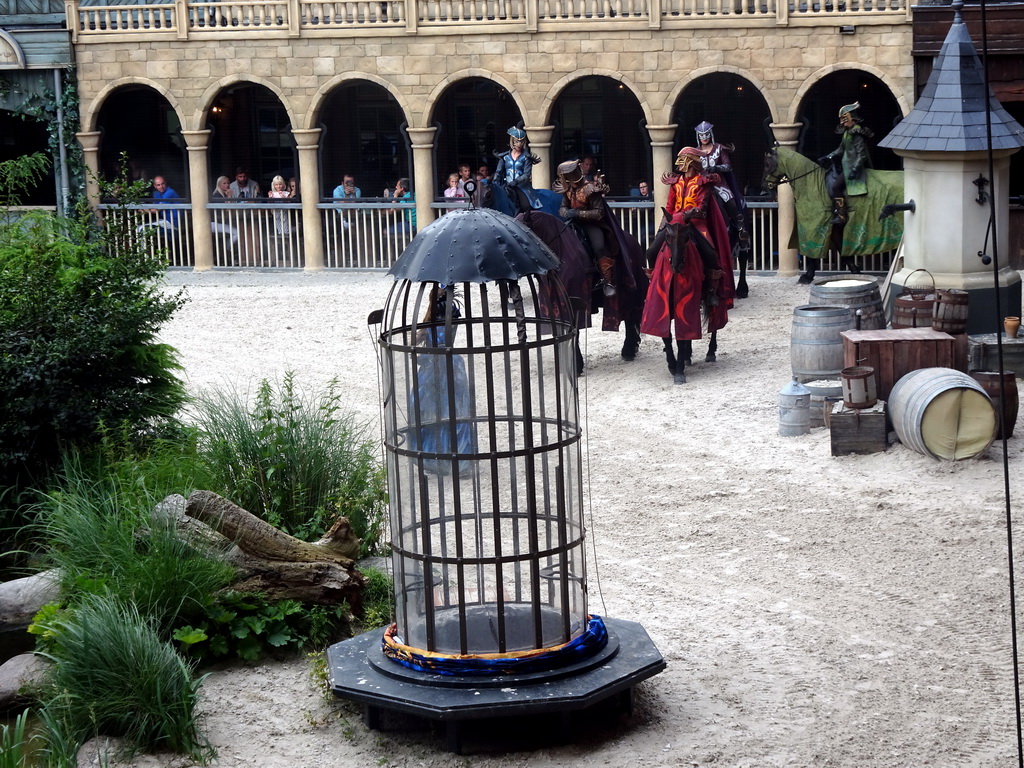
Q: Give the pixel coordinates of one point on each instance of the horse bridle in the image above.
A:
(772, 182)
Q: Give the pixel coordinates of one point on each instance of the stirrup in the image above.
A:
(608, 289)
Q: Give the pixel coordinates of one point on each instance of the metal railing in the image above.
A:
(180, 18)
(371, 234)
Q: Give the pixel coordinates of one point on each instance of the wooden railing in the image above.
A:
(181, 19)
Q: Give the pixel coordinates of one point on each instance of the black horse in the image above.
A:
(578, 275)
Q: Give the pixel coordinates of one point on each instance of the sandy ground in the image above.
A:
(813, 610)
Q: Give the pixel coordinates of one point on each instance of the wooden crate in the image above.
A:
(984, 353)
(858, 430)
(895, 353)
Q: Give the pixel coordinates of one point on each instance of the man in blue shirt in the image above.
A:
(347, 190)
(168, 219)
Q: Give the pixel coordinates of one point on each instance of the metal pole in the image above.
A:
(64, 190)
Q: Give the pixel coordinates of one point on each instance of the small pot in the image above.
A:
(1011, 325)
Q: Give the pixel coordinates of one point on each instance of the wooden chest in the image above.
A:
(895, 353)
(984, 354)
(858, 430)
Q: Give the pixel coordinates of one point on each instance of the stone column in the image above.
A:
(90, 142)
(786, 134)
(662, 158)
(423, 185)
(307, 141)
(540, 145)
(197, 143)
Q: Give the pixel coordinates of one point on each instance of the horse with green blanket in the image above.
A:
(863, 234)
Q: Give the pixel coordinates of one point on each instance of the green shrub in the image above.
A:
(296, 461)
(78, 339)
(378, 599)
(114, 676)
(245, 625)
(100, 533)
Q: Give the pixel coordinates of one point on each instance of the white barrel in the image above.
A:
(942, 413)
(816, 343)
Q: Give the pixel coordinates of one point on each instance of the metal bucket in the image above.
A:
(942, 413)
(794, 409)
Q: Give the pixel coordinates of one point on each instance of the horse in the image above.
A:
(862, 235)
(577, 273)
(676, 299)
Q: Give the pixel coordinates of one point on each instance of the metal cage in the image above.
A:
(482, 440)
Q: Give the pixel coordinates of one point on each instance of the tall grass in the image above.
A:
(298, 461)
(15, 743)
(101, 535)
(115, 676)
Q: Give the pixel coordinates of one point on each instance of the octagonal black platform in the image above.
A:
(359, 671)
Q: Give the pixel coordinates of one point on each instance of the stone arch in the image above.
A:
(815, 77)
(199, 117)
(696, 74)
(90, 114)
(580, 74)
(324, 91)
(441, 88)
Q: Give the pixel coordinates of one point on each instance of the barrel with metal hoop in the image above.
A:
(950, 312)
(860, 293)
(816, 342)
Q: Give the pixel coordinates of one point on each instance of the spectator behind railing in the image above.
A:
(222, 194)
(167, 219)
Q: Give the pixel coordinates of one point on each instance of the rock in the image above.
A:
(21, 599)
(18, 677)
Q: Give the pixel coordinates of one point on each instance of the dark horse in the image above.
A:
(862, 235)
(676, 303)
(578, 271)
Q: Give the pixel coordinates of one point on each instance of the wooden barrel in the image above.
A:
(942, 413)
(816, 346)
(950, 312)
(913, 310)
(989, 381)
(821, 390)
(858, 292)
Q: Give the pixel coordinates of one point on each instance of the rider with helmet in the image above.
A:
(714, 158)
(848, 176)
(514, 171)
(583, 204)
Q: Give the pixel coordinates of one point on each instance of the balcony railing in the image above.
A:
(372, 235)
(182, 19)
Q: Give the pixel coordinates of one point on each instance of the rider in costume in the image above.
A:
(514, 171)
(848, 176)
(714, 158)
(583, 204)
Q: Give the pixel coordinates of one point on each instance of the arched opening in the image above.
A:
(363, 135)
(20, 137)
(600, 116)
(139, 122)
(473, 117)
(251, 131)
(819, 112)
(738, 112)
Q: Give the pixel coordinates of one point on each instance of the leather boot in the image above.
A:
(670, 356)
(606, 266)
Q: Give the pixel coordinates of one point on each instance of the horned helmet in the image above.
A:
(687, 157)
(517, 137)
(705, 133)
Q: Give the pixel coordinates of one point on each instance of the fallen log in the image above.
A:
(280, 566)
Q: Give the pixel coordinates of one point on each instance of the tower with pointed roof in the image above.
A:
(944, 143)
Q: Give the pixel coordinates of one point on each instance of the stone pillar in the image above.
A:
(199, 191)
(786, 134)
(90, 142)
(540, 144)
(423, 185)
(663, 158)
(307, 141)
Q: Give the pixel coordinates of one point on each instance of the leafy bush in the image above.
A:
(100, 533)
(296, 461)
(378, 599)
(114, 676)
(246, 625)
(78, 338)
